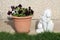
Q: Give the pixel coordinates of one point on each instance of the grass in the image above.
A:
(24, 36)
(48, 36)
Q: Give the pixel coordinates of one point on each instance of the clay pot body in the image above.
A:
(22, 24)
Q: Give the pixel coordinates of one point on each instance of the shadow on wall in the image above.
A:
(11, 23)
(36, 24)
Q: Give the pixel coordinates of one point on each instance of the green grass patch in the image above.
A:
(24, 36)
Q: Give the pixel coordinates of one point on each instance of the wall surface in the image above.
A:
(37, 5)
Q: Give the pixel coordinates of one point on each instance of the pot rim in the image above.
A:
(22, 17)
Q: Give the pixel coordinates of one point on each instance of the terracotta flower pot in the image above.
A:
(22, 24)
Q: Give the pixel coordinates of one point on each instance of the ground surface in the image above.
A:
(7, 27)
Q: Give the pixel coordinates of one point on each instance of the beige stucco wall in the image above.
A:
(37, 5)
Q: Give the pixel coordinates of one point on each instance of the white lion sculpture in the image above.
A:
(45, 23)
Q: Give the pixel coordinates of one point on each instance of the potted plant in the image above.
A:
(21, 18)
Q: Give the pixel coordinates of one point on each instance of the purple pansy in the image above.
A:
(9, 12)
